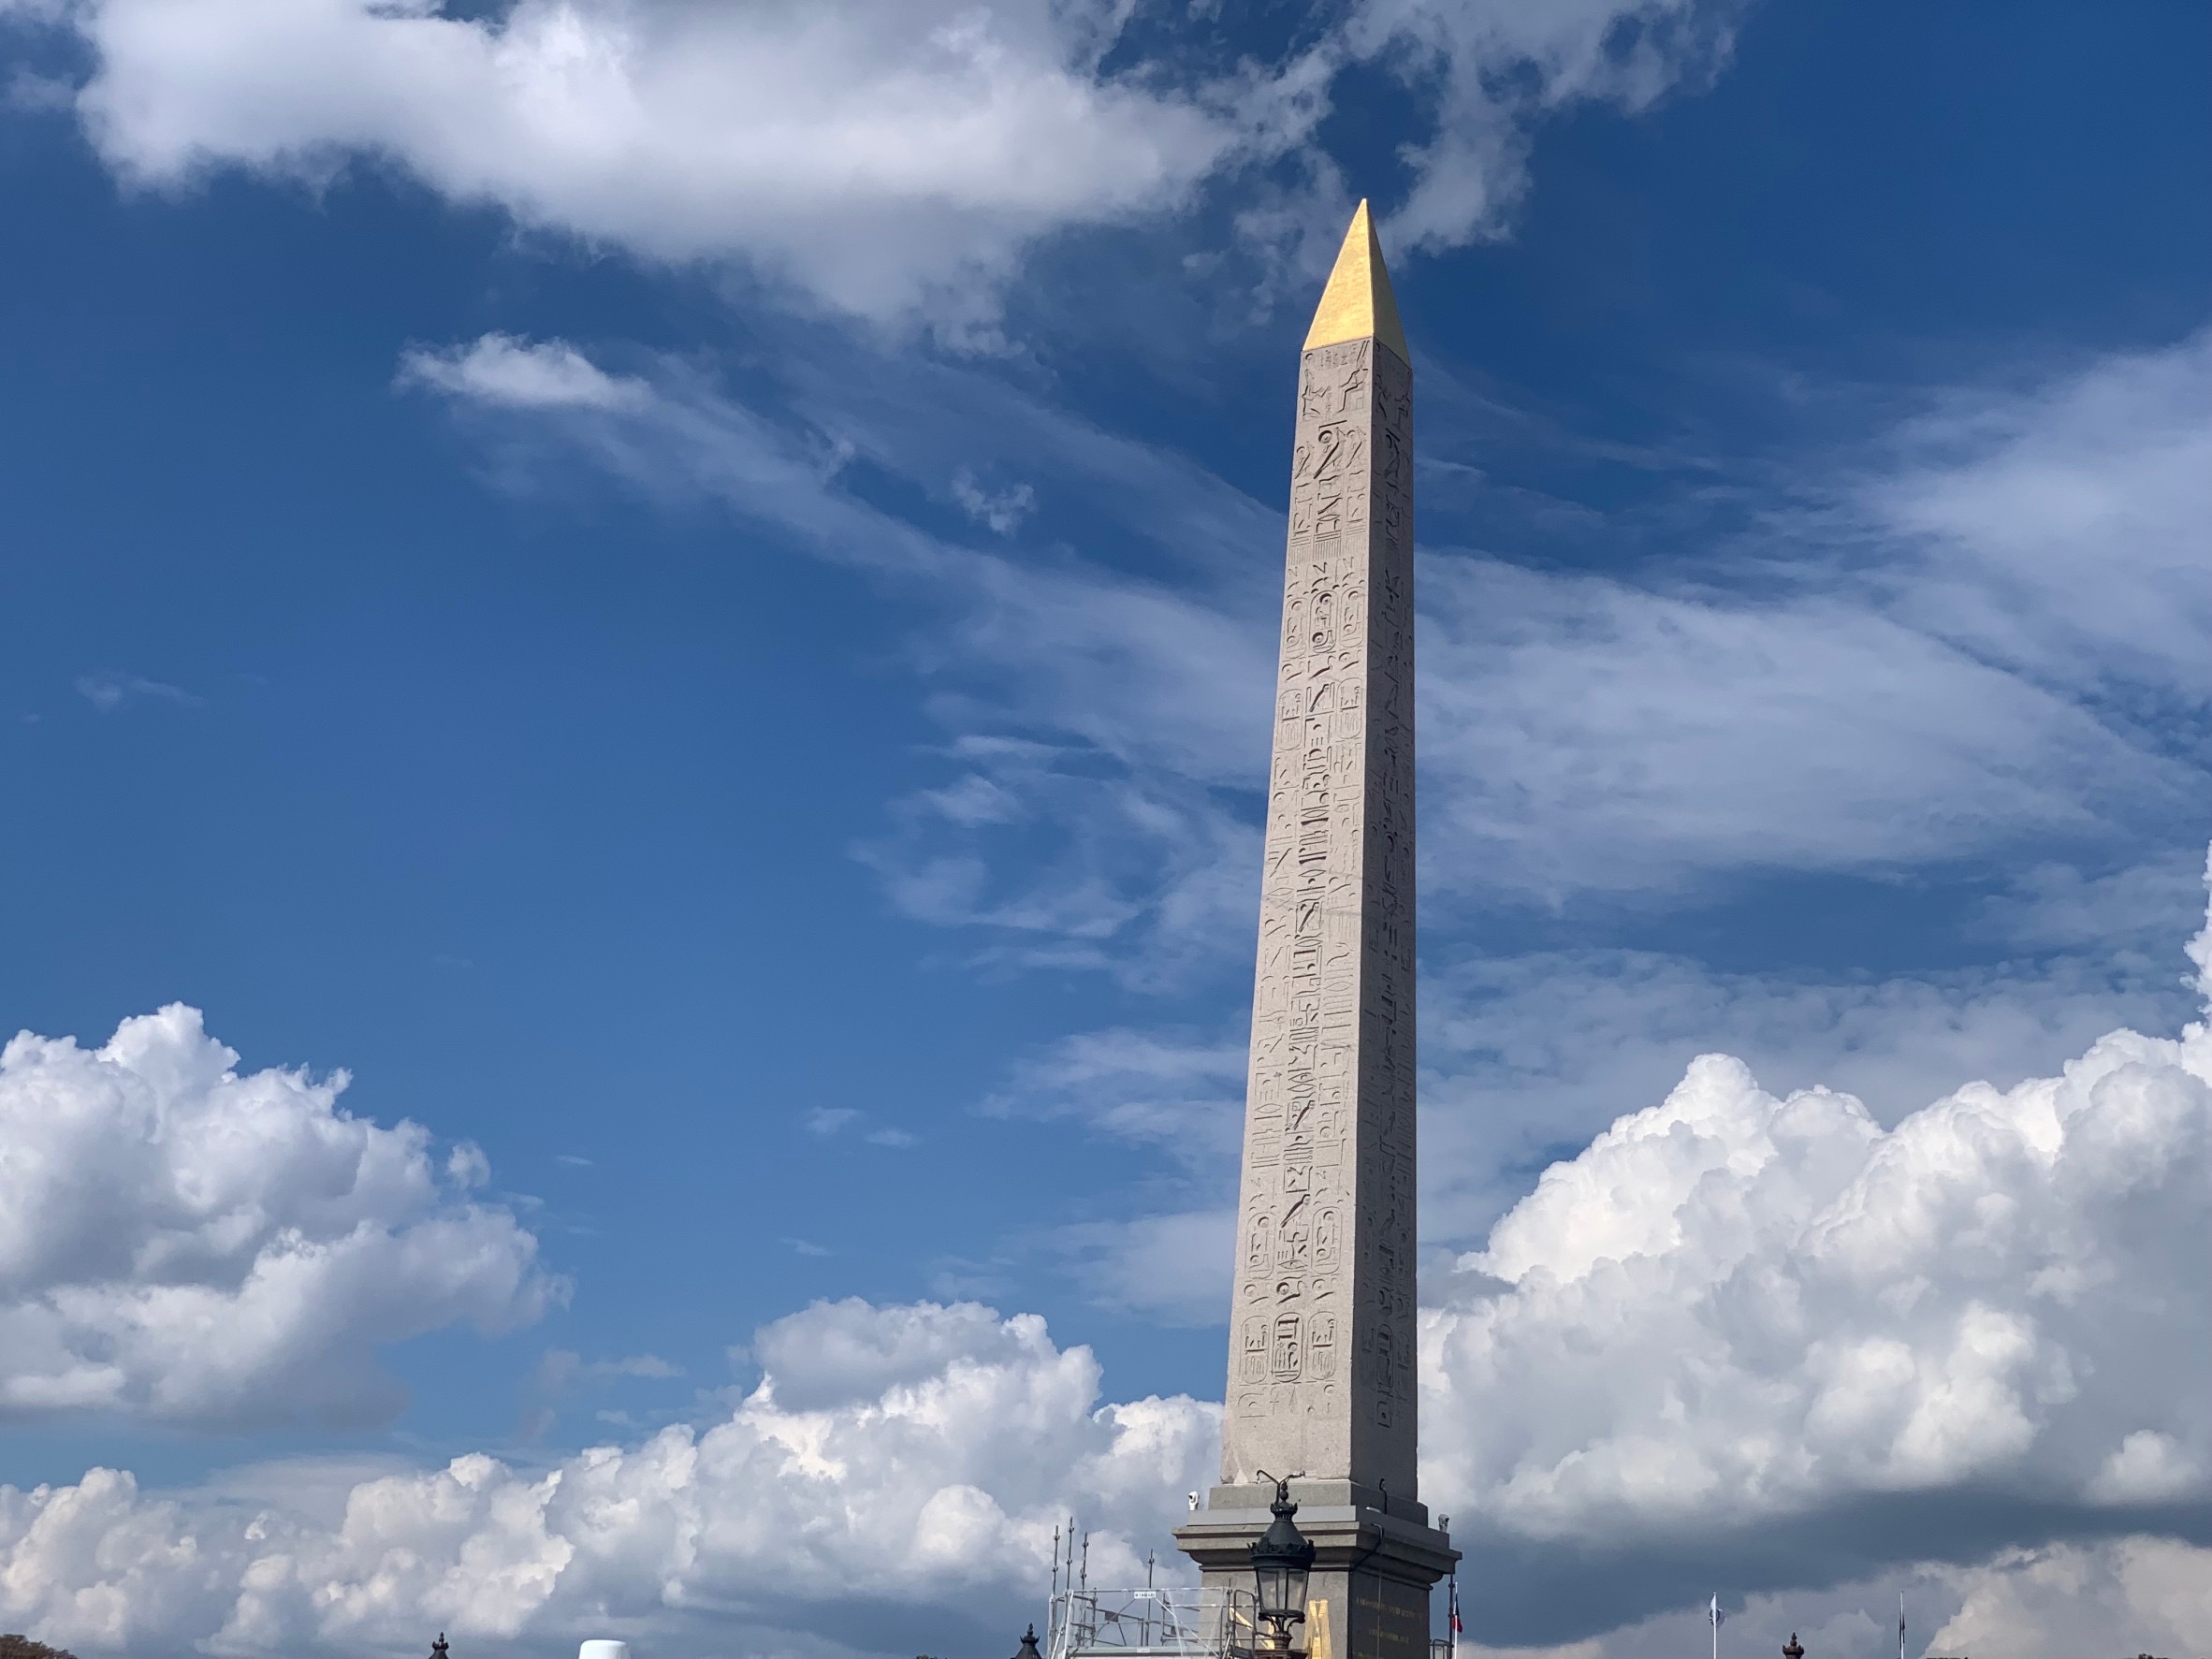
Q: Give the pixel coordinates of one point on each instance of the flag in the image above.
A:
(1714, 1613)
(1457, 1628)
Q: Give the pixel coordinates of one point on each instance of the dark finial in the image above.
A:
(1792, 1651)
(438, 1649)
(1028, 1647)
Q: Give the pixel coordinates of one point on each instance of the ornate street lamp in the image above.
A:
(1282, 1557)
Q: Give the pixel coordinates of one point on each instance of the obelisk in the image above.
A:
(1321, 1347)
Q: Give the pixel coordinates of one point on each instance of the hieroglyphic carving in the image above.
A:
(1323, 1380)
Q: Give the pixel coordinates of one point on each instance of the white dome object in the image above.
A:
(604, 1650)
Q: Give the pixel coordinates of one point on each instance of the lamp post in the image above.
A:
(1282, 1557)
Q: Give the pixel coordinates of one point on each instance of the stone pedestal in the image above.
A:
(1368, 1597)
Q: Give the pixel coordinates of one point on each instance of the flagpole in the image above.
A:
(1901, 1624)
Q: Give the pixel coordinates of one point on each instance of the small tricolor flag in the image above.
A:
(1714, 1613)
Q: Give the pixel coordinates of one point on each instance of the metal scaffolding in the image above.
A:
(1169, 1623)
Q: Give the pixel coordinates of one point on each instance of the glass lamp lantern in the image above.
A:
(1282, 1559)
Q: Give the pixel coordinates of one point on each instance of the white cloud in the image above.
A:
(1740, 1311)
(921, 1454)
(1756, 1335)
(184, 1244)
(1181, 1095)
(1001, 510)
(882, 155)
(109, 692)
(2142, 1595)
(2059, 527)
(1527, 1055)
(827, 1121)
(511, 373)
(1580, 734)
(1473, 171)
(1080, 822)
(869, 152)
(1771, 1340)
(1172, 1268)
(2114, 1597)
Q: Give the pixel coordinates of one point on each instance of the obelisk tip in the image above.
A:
(1358, 303)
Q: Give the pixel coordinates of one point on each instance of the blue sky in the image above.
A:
(684, 594)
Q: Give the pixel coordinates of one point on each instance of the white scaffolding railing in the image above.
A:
(1170, 1622)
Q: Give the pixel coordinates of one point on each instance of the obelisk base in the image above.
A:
(1368, 1596)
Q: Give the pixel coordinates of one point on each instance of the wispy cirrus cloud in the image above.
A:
(828, 1122)
(1093, 720)
(2057, 527)
(1180, 1095)
(110, 692)
(1639, 740)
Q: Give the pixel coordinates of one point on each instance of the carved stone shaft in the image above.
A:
(1322, 1378)
(1322, 1382)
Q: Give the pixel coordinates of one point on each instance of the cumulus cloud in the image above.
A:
(1741, 1332)
(186, 1243)
(880, 155)
(1772, 1332)
(2150, 1593)
(1526, 1056)
(1840, 1308)
(919, 1454)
